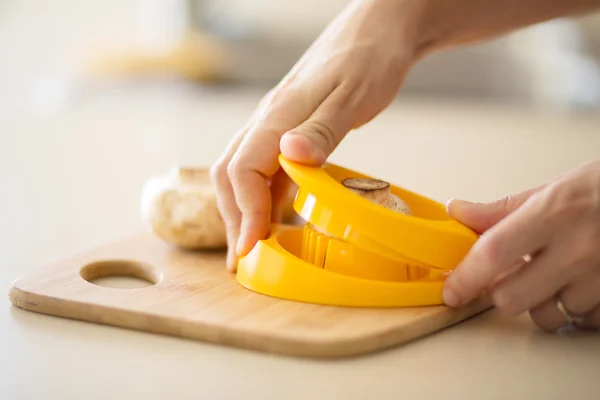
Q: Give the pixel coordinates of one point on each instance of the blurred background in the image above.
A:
(51, 51)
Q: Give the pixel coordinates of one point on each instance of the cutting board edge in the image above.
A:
(48, 305)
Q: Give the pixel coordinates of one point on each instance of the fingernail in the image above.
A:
(456, 207)
(454, 203)
(449, 205)
(303, 149)
(450, 298)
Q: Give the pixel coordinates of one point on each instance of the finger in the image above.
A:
(528, 287)
(316, 138)
(226, 200)
(508, 272)
(580, 298)
(256, 161)
(223, 189)
(482, 216)
(282, 194)
(521, 233)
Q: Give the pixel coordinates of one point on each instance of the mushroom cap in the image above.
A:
(181, 208)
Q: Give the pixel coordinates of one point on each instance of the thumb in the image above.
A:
(316, 138)
(482, 216)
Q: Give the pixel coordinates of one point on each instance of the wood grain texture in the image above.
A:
(196, 298)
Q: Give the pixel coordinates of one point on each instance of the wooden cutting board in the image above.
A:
(195, 297)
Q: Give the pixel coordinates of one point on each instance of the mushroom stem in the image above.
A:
(374, 190)
(378, 192)
(398, 205)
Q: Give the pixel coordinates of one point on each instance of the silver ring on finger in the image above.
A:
(572, 319)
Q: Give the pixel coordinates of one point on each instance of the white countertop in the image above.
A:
(71, 180)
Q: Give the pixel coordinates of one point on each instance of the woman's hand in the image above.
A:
(556, 226)
(349, 75)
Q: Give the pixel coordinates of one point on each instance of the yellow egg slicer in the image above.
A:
(353, 252)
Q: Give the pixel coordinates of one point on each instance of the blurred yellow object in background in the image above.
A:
(198, 57)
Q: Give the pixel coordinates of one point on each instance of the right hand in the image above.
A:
(350, 74)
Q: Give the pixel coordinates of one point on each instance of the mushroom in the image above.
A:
(398, 205)
(378, 192)
(181, 208)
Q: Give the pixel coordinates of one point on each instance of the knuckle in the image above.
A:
(269, 106)
(352, 83)
(273, 95)
(583, 253)
(490, 250)
(279, 96)
(218, 173)
(233, 170)
(566, 202)
(268, 96)
(504, 203)
(513, 201)
(283, 91)
(322, 131)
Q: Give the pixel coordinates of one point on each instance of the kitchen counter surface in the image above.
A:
(71, 179)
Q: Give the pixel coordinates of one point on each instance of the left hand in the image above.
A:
(556, 226)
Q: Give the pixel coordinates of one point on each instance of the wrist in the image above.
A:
(412, 24)
(448, 23)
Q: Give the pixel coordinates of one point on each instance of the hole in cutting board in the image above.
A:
(121, 274)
